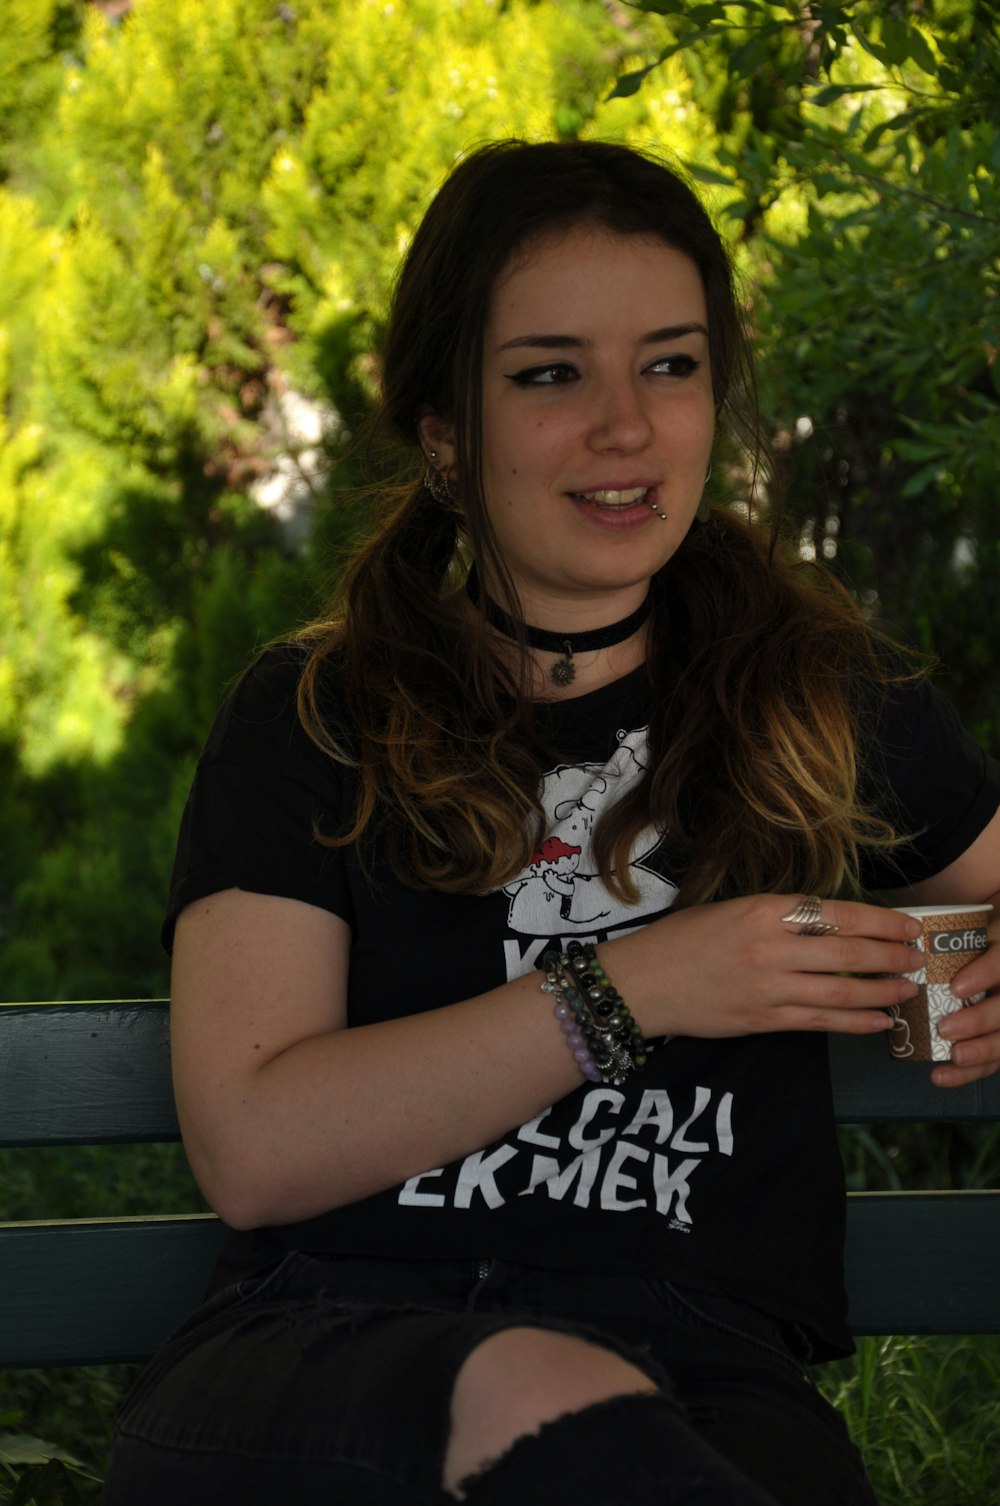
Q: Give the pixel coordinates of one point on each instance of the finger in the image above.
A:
(837, 992)
(853, 918)
(830, 1021)
(982, 1052)
(978, 976)
(849, 954)
(975, 1020)
(974, 1036)
(959, 1077)
(855, 1005)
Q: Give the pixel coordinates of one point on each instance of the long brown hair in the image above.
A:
(754, 731)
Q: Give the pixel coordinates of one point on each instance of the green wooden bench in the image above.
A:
(106, 1290)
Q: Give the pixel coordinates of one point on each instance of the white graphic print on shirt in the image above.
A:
(615, 1151)
(596, 1161)
(561, 892)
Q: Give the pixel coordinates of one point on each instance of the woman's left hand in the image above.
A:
(974, 1032)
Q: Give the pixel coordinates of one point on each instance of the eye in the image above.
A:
(674, 366)
(553, 375)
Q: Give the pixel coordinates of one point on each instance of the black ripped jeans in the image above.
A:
(330, 1379)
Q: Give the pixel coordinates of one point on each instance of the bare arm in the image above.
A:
(287, 1114)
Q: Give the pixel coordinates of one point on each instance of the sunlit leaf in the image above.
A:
(870, 45)
(920, 52)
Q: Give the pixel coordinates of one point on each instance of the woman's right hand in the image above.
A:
(734, 967)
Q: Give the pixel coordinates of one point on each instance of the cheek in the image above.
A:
(531, 451)
(694, 427)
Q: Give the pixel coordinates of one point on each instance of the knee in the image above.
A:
(516, 1381)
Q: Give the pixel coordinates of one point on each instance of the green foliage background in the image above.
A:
(201, 207)
(200, 212)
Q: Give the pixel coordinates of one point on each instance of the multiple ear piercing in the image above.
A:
(436, 481)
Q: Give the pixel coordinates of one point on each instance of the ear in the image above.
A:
(437, 435)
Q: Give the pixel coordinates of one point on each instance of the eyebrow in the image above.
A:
(574, 342)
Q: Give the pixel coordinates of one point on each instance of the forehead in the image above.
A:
(589, 276)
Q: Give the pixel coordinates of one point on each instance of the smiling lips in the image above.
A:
(614, 500)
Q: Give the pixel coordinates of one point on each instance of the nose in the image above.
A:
(620, 421)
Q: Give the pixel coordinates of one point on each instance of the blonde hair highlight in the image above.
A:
(753, 740)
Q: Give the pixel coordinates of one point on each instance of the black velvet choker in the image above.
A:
(563, 671)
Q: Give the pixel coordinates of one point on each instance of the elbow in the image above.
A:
(236, 1192)
(236, 1215)
(238, 1203)
(249, 1190)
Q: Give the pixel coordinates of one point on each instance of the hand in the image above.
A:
(975, 1030)
(733, 968)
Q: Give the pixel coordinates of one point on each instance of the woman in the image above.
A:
(487, 1254)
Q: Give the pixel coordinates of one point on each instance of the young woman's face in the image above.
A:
(597, 408)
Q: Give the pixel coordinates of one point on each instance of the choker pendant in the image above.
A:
(563, 671)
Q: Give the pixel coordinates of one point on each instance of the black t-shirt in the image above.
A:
(717, 1166)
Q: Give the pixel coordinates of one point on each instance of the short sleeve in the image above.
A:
(261, 792)
(930, 778)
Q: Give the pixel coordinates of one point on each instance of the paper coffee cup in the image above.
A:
(951, 937)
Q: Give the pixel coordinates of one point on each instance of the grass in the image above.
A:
(926, 1414)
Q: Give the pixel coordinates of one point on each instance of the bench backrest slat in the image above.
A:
(85, 1074)
(102, 1292)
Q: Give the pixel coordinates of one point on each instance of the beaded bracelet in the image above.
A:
(605, 1040)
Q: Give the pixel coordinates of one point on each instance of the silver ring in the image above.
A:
(808, 916)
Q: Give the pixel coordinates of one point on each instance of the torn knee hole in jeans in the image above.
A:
(634, 1450)
(540, 1454)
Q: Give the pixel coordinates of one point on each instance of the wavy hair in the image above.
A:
(755, 728)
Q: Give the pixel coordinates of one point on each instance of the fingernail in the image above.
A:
(947, 1027)
(958, 1055)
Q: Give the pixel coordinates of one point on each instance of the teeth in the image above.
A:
(615, 498)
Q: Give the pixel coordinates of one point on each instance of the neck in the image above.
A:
(563, 646)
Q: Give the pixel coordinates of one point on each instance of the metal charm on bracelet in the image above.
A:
(605, 1040)
(808, 916)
